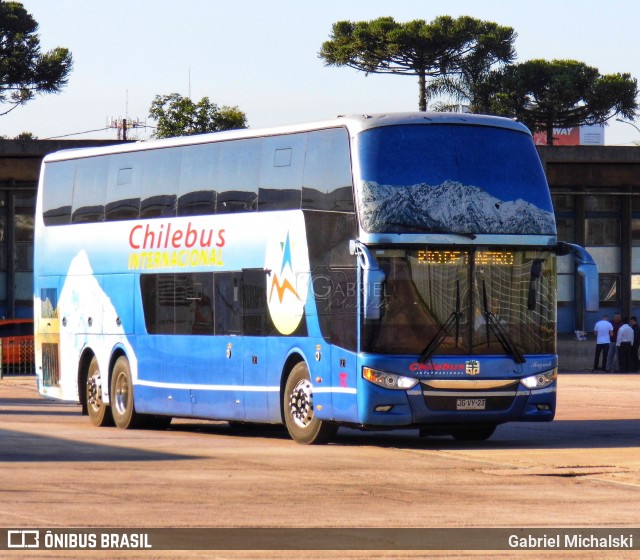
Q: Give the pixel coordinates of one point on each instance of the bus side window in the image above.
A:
(161, 170)
(281, 172)
(238, 176)
(254, 302)
(123, 187)
(202, 303)
(158, 302)
(49, 303)
(89, 188)
(197, 191)
(228, 303)
(344, 306)
(326, 184)
(58, 192)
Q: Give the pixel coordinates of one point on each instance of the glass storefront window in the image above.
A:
(635, 287)
(562, 202)
(635, 232)
(23, 257)
(24, 227)
(566, 229)
(602, 203)
(609, 289)
(602, 232)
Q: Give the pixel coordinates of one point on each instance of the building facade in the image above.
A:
(20, 162)
(596, 197)
(595, 191)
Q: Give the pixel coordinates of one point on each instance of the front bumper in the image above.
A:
(457, 401)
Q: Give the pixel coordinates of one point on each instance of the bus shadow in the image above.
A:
(37, 407)
(560, 434)
(269, 431)
(20, 447)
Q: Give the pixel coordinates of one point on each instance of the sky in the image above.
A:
(261, 56)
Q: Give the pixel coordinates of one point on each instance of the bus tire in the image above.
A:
(122, 405)
(474, 432)
(99, 412)
(302, 424)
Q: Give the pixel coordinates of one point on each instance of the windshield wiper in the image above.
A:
(502, 335)
(442, 333)
(536, 270)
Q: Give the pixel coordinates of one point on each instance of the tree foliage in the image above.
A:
(445, 46)
(559, 94)
(180, 116)
(25, 71)
(26, 135)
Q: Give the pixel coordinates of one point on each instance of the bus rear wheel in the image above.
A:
(122, 406)
(99, 411)
(302, 423)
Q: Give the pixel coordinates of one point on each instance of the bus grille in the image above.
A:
(487, 395)
(50, 365)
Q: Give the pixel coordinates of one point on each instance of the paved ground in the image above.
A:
(582, 470)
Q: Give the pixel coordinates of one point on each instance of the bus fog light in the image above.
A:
(540, 380)
(543, 407)
(383, 408)
(388, 380)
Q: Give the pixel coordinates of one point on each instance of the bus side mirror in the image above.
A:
(372, 280)
(589, 274)
(587, 269)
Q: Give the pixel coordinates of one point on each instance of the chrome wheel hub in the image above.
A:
(121, 398)
(94, 393)
(301, 404)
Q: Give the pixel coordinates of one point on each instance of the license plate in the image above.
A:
(471, 404)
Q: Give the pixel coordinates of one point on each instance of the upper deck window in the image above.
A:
(452, 178)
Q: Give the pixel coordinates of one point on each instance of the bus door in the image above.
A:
(254, 328)
(218, 389)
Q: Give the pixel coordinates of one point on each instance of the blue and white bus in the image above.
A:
(378, 272)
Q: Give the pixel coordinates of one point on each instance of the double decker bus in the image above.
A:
(380, 272)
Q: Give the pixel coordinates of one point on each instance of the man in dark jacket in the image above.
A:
(635, 361)
(612, 358)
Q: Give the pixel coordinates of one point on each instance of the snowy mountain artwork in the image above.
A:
(448, 207)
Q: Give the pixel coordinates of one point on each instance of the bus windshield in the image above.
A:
(469, 301)
(458, 179)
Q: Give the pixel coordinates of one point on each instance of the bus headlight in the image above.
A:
(388, 380)
(540, 380)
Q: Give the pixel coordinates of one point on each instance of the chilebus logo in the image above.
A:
(287, 262)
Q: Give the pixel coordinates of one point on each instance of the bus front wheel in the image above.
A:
(122, 407)
(99, 412)
(302, 424)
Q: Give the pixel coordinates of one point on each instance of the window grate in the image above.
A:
(50, 365)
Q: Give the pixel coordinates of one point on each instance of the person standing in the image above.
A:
(624, 343)
(635, 361)
(613, 348)
(603, 330)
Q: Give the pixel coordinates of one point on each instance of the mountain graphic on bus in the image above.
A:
(287, 263)
(450, 206)
(281, 289)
